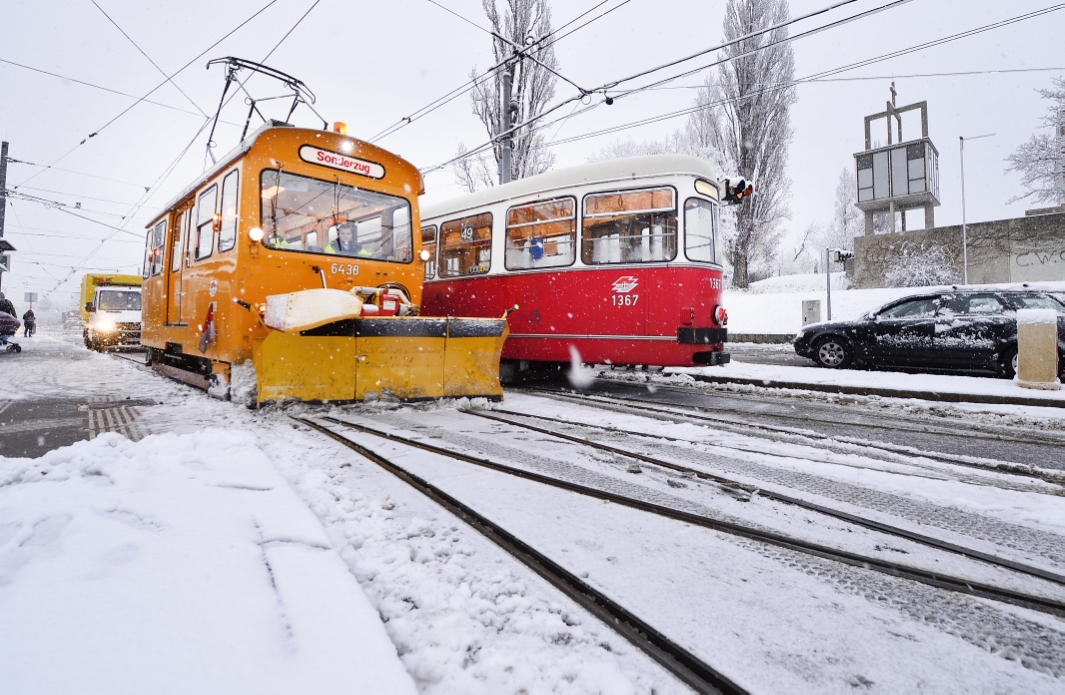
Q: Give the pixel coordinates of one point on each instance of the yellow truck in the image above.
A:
(111, 310)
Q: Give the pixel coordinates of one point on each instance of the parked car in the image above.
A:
(964, 329)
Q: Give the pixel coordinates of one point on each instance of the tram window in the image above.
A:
(466, 246)
(227, 235)
(541, 235)
(156, 245)
(205, 222)
(700, 230)
(177, 241)
(299, 213)
(147, 267)
(629, 227)
(429, 245)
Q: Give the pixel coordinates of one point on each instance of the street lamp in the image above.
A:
(964, 241)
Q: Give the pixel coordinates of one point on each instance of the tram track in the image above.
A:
(881, 450)
(687, 667)
(763, 492)
(748, 532)
(959, 607)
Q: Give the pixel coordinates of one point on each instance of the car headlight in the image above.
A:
(104, 325)
(800, 334)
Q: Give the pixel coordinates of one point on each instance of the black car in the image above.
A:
(966, 329)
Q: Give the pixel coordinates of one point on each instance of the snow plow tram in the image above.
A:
(296, 253)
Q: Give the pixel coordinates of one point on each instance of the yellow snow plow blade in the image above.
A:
(408, 357)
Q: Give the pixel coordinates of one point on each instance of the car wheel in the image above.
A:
(1008, 362)
(833, 353)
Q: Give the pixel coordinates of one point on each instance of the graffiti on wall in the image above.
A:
(1045, 261)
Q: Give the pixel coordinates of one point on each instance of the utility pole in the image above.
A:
(828, 282)
(505, 168)
(964, 235)
(3, 193)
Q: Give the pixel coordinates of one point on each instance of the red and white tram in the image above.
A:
(620, 260)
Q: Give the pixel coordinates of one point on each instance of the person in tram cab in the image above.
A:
(345, 243)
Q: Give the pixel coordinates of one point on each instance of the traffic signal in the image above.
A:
(734, 195)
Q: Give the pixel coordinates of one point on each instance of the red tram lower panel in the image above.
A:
(660, 315)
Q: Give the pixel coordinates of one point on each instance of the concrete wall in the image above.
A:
(1024, 249)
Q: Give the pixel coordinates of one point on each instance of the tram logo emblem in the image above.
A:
(625, 283)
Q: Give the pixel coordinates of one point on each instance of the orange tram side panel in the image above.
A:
(292, 210)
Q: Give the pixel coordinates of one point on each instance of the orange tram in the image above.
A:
(295, 256)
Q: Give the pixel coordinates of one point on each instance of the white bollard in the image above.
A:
(1037, 349)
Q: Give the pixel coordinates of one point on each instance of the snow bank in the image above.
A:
(181, 563)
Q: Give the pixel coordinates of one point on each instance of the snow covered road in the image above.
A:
(234, 549)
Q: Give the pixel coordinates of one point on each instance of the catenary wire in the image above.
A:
(150, 92)
(688, 110)
(466, 87)
(149, 59)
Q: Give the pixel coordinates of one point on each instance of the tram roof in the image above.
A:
(613, 171)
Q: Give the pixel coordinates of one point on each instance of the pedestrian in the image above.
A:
(6, 306)
(29, 323)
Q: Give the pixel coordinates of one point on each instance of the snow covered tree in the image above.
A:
(752, 129)
(523, 22)
(1041, 160)
(923, 266)
(847, 220)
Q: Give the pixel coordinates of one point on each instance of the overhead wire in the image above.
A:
(96, 86)
(173, 165)
(466, 87)
(154, 64)
(152, 91)
(814, 77)
(888, 56)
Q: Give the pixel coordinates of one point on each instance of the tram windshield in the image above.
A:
(700, 230)
(629, 227)
(314, 216)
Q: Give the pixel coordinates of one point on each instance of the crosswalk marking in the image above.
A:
(122, 419)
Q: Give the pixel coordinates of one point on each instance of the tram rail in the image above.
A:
(763, 492)
(687, 667)
(887, 451)
(923, 576)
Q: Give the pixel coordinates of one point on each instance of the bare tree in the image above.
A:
(1041, 160)
(752, 129)
(523, 23)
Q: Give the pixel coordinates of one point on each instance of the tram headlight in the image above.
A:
(425, 256)
(255, 234)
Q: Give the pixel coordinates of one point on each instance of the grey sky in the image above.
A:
(372, 63)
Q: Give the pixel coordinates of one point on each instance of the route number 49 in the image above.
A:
(625, 299)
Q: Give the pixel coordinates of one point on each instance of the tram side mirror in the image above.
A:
(89, 307)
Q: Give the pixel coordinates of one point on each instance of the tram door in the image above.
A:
(179, 243)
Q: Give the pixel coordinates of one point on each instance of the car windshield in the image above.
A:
(910, 309)
(113, 300)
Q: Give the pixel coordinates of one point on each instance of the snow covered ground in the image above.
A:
(189, 562)
(234, 550)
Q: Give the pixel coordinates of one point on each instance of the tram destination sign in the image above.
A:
(335, 160)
